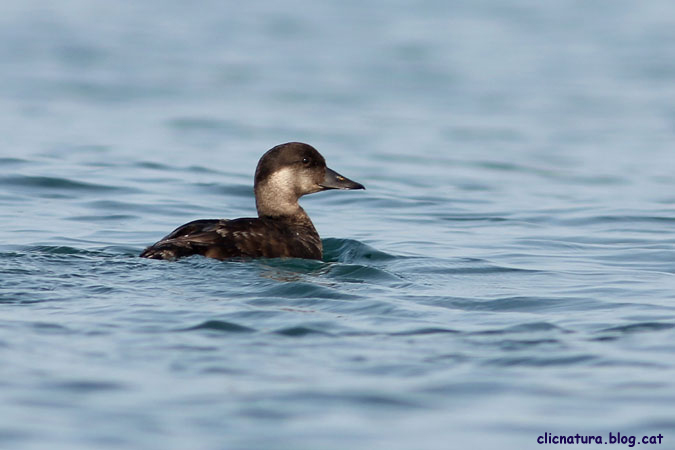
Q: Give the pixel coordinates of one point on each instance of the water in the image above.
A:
(509, 270)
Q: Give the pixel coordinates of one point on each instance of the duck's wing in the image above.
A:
(215, 238)
(189, 239)
(194, 228)
(238, 238)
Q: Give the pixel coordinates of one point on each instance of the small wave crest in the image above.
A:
(54, 183)
(220, 325)
(352, 251)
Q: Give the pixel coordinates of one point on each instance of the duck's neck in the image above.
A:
(286, 209)
(296, 214)
(280, 205)
(276, 203)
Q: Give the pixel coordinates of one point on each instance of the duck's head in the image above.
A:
(287, 172)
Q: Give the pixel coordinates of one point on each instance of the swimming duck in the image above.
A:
(282, 229)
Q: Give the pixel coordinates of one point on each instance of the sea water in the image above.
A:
(509, 273)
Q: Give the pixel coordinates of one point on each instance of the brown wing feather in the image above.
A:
(246, 237)
(189, 239)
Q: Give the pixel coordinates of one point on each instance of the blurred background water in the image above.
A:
(508, 272)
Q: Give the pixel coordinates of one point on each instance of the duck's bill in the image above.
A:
(334, 180)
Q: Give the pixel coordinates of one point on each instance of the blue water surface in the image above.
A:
(509, 271)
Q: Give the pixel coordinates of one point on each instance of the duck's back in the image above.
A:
(246, 237)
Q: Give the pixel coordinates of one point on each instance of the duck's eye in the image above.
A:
(305, 161)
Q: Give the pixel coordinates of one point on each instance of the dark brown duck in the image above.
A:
(282, 229)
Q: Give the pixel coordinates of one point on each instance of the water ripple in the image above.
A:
(51, 184)
(531, 361)
(352, 251)
(642, 327)
(220, 325)
(300, 331)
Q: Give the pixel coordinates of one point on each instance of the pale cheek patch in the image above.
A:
(282, 180)
(277, 194)
(289, 181)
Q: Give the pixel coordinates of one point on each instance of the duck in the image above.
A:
(282, 229)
